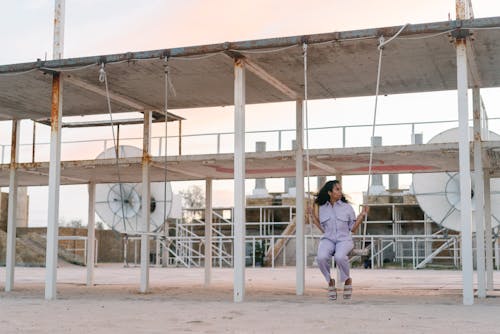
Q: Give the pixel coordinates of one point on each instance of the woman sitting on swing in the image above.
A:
(336, 220)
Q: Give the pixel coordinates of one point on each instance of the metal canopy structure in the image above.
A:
(341, 64)
(425, 57)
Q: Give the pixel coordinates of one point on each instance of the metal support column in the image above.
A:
(54, 184)
(239, 181)
(479, 194)
(299, 213)
(208, 232)
(91, 236)
(464, 161)
(146, 202)
(55, 156)
(10, 260)
(58, 38)
(488, 235)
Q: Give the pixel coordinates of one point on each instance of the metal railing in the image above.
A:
(221, 142)
(413, 254)
(187, 246)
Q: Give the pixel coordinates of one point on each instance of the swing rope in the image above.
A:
(380, 47)
(382, 43)
(304, 103)
(103, 78)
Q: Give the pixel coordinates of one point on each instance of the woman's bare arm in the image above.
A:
(360, 218)
(314, 216)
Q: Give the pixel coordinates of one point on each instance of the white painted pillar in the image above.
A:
(91, 236)
(239, 181)
(208, 232)
(377, 184)
(55, 156)
(260, 184)
(488, 235)
(54, 184)
(465, 179)
(146, 202)
(479, 195)
(299, 209)
(10, 260)
(58, 41)
(290, 181)
(165, 254)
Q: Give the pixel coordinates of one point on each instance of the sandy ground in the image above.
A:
(384, 301)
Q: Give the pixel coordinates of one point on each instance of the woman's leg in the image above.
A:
(342, 250)
(325, 250)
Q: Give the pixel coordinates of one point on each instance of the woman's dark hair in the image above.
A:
(322, 197)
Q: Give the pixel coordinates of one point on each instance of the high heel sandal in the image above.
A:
(332, 293)
(347, 291)
(332, 290)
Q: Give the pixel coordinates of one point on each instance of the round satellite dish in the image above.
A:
(119, 205)
(438, 194)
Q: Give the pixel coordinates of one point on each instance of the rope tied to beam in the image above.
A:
(304, 54)
(380, 47)
(103, 78)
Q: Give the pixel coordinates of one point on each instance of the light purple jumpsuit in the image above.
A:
(337, 221)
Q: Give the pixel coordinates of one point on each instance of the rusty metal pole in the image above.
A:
(55, 157)
(10, 261)
(91, 235)
(479, 195)
(300, 252)
(464, 160)
(488, 231)
(208, 232)
(146, 202)
(54, 184)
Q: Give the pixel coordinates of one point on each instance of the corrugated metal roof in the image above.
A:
(340, 64)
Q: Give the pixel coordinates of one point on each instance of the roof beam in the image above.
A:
(261, 73)
(472, 64)
(115, 97)
(323, 166)
(264, 75)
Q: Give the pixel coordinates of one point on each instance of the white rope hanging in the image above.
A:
(103, 78)
(306, 112)
(382, 43)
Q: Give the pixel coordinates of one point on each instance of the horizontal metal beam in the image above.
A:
(417, 29)
(347, 161)
(474, 73)
(261, 73)
(115, 97)
(129, 121)
(323, 166)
